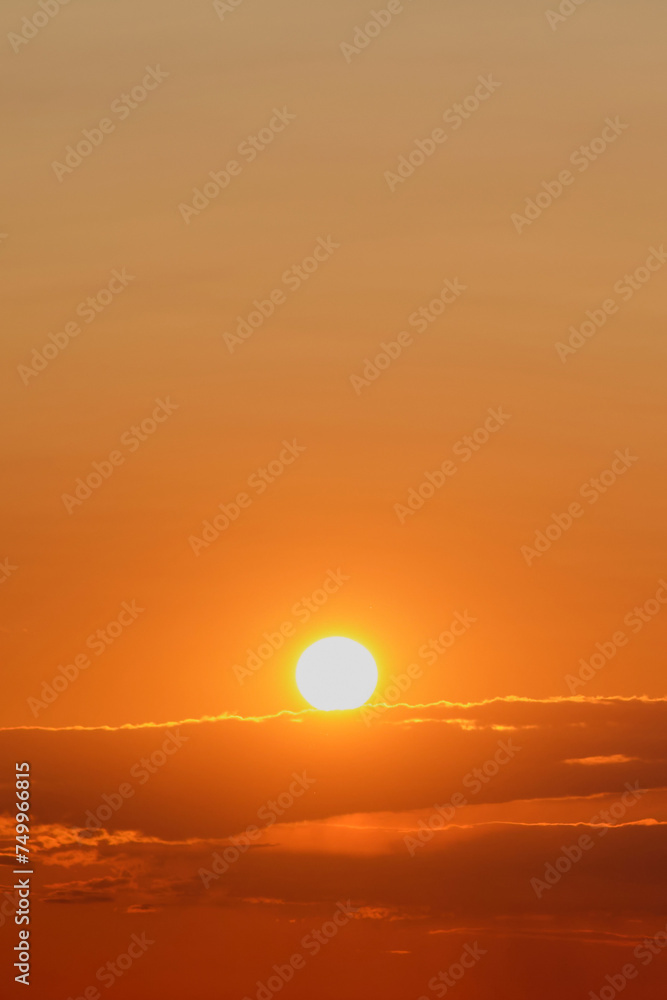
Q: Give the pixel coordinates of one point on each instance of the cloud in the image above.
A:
(483, 873)
(563, 765)
(616, 758)
(222, 772)
(96, 890)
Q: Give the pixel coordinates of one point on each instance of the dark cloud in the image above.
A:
(96, 890)
(486, 874)
(407, 758)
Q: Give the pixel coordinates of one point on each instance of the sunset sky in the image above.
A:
(396, 375)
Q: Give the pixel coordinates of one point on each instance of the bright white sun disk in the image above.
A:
(336, 673)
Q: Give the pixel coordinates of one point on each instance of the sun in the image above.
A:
(336, 673)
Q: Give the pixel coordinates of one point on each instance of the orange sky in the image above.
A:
(406, 203)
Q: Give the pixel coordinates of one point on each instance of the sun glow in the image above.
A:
(336, 673)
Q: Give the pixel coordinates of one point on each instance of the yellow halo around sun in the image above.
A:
(336, 673)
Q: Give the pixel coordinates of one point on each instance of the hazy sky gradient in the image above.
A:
(401, 583)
